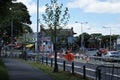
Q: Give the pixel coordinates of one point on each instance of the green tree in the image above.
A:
(18, 16)
(20, 19)
(55, 19)
(86, 38)
(4, 8)
(15, 14)
(96, 38)
(106, 40)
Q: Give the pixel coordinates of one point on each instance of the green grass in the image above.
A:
(61, 75)
(3, 71)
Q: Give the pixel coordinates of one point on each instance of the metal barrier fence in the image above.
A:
(105, 59)
(65, 65)
(102, 72)
(108, 72)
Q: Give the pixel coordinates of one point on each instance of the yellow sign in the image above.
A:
(29, 45)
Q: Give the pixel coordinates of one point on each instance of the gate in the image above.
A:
(108, 72)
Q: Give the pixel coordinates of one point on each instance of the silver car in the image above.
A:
(115, 54)
(112, 56)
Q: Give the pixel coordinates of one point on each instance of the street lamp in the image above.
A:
(37, 29)
(11, 41)
(37, 24)
(11, 25)
(110, 35)
(82, 35)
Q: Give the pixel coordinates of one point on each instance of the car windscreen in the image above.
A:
(115, 53)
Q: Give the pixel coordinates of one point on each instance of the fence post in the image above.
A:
(72, 67)
(51, 62)
(46, 61)
(112, 77)
(84, 72)
(63, 65)
(99, 74)
(42, 60)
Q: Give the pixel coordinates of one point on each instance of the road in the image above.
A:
(107, 71)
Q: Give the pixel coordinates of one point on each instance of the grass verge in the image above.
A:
(3, 71)
(61, 75)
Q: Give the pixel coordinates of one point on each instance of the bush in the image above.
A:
(3, 72)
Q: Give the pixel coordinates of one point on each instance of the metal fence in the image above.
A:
(99, 72)
(108, 72)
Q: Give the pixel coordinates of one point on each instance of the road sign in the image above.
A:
(69, 57)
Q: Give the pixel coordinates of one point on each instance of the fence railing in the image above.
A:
(64, 65)
(98, 72)
(108, 72)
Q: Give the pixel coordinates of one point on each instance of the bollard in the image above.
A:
(42, 60)
(46, 61)
(51, 62)
(99, 74)
(84, 72)
(72, 67)
(63, 65)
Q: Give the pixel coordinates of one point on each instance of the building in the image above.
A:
(64, 37)
(118, 44)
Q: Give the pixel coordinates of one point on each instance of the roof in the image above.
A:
(61, 32)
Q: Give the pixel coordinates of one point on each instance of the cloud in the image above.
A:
(96, 6)
(77, 28)
(32, 6)
(34, 27)
(93, 28)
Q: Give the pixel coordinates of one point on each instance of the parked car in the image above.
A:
(101, 52)
(30, 53)
(115, 54)
(112, 56)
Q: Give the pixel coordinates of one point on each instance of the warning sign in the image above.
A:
(69, 57)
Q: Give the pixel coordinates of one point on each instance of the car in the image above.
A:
(112, 56)
(115, 54)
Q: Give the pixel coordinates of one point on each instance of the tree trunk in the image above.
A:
(55, 64)
(55, 49)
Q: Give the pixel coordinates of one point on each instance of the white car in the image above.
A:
(115, 54)
(112, 56)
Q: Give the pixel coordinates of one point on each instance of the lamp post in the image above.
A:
(37, 24)
(11, 41)
(37, 30)
(82, 35)
(110, 36)
(11, 25)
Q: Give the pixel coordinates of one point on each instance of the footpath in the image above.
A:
(21, 71)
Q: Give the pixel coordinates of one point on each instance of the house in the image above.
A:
(64, 37)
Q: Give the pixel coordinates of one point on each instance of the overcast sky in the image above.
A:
(97, 13)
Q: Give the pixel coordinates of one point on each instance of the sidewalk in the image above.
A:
(20, 71)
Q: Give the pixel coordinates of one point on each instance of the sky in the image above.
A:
(102, 16)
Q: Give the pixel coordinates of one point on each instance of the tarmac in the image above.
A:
(18, 70)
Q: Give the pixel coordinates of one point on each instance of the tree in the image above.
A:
(15, 14)
(86, 38)
(96, 38)
(4, 8)
(18, 16)
(106, 40)
(55, 20)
